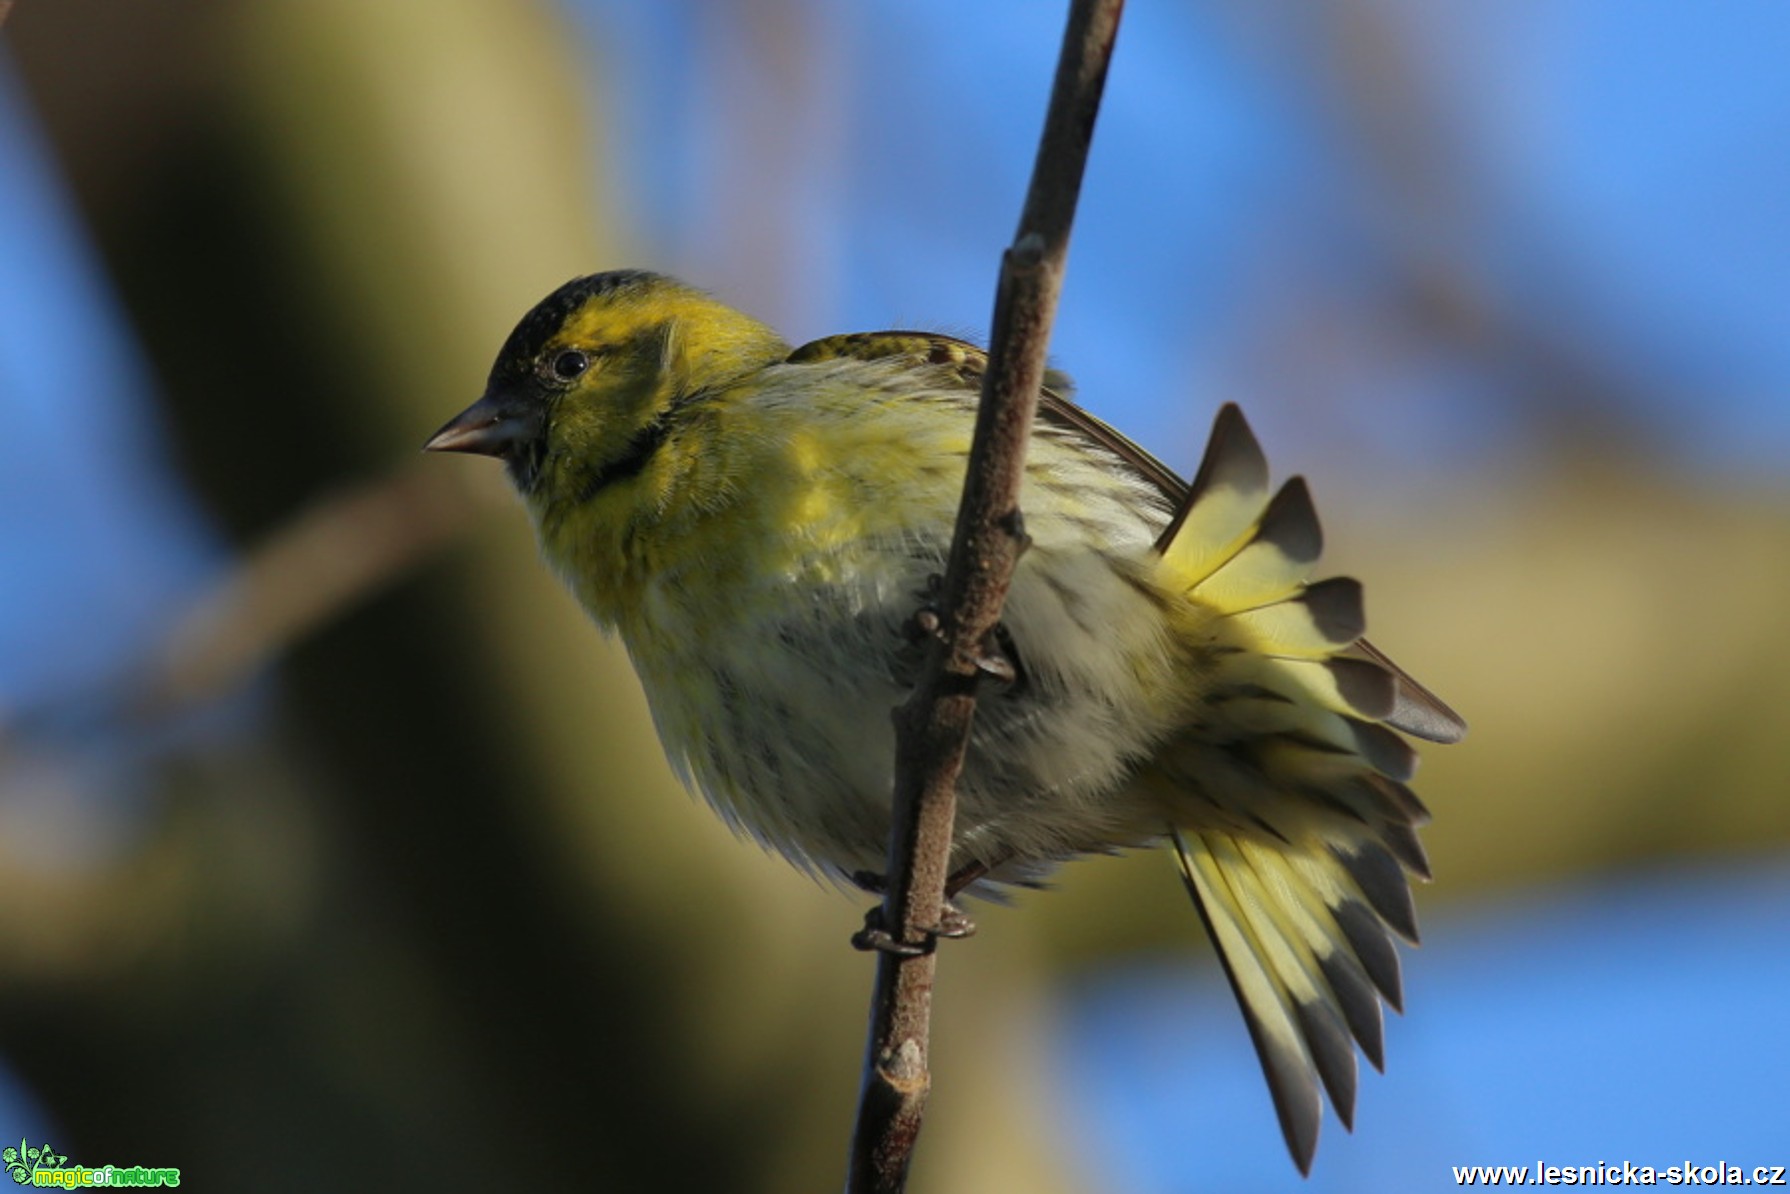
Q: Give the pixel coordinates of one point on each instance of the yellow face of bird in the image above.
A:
(581, 394)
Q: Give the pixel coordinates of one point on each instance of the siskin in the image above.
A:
(761, 524)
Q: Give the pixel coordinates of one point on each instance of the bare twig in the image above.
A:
(932, 727)
(5, 8)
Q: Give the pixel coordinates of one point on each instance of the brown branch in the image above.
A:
(932, 728)
(5, 8)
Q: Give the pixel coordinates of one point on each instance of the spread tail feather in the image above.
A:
(1286, 787)
(1309, 955)
(1248, 555)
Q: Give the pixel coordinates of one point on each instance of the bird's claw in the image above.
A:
(953, 923)
(996, 657)
(875, 936)
(926, 623)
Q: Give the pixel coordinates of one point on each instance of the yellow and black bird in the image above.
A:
(759, 526)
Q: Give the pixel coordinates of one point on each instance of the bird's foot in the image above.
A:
(926, 624)
(875, 936)
(996, 657)
(953, 924)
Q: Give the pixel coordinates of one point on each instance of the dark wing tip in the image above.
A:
(1291, 523)
(1336, 608)
(1332, 1052)
(1382, 880)
(1294, 1090)
(1422, 715)
(1234, 456)
(1401, 838)
(1368, 688)
(1373, 946)
(1418, 711)
(1384, 750)
(1360, 1006)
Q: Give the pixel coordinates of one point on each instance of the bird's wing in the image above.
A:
(1233, 462)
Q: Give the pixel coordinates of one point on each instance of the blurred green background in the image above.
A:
(336, 849)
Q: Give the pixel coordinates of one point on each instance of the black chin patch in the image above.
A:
(523, 463)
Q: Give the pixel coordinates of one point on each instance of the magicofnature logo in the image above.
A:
(43, 1166)
(24, 1161)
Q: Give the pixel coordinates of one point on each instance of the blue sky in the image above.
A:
(1638, 1019)
(1608, 176)
(103, 539)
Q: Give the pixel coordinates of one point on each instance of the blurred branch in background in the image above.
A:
(314, 570)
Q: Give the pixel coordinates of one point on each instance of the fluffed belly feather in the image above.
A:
(781, 717)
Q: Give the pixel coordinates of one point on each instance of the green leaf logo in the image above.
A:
(23, 1161)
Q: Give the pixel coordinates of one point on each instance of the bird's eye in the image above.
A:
(570, 364)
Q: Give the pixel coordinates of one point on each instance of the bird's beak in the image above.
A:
(489, 427)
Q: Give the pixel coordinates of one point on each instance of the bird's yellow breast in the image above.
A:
(764, 568)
